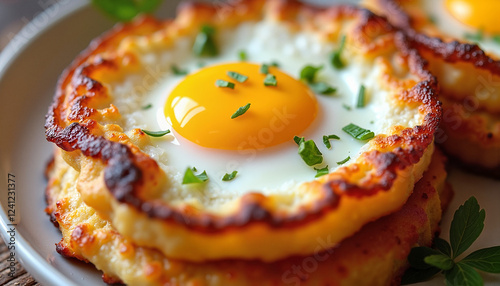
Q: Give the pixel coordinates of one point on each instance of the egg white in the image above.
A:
(274, 170)
(450, 26)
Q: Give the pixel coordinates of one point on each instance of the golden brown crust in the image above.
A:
(375, 255)
(74, 122)
(470, 129)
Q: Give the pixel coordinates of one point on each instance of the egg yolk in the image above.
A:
(477, 14)
(200, 111)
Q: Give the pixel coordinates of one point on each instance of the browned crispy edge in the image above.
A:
(372, 240)
(124, 172)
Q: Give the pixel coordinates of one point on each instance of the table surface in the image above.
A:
(21, 277)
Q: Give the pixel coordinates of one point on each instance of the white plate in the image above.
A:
(29, 68)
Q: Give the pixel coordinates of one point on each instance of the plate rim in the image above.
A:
(36, 265)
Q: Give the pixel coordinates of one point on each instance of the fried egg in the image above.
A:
(269, 115)
(259, 144)
(467, 21)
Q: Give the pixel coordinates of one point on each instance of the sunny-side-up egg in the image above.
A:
(198, 107)
(468, 20)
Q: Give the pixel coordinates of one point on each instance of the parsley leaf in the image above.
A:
(335, 57)
(477, 37)
(237, 76)
(486, 259)
(242, 55)
(270, 80)
(191, 178)
(463, 275)
(298, 139)
(466, 226)
(326, 140)
(321, 172)
(322, 88)
(156, 133)
(344, 161)
(361, 97)
(358, 132)
(240, 111)
(308, 73)
(126, 10)
(440, 261)
(228, 177)
(310, 153)
(204, 44)
(224, 83)
(147, 106)
(177, 71)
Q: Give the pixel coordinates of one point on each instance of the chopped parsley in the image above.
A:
(344, 161)
(308, 73)
(475, 37)
(156, 133)
(358, 132)
(240, 111)
(335, 57)
(125, 11)
(322, 88)
(228, 177)
(326, 140)
(242, 55)
(361, 97)
(264, 68)
(321, 172)
(191, 178)
(270, 80)
(204, 44)
(310, 153)
(298, 139)
(147, 106)
(496, 39)
(177, 71)
(224, 83)
(346, 107)
(237, 76)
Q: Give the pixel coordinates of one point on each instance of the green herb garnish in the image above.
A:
(228, 177)
(344, 161)
(126, 10)
(322, 88)
(204, 44)
(224, 83)
(476, 37)
(321, 172)
(361, 97)
(270, 80)
(335, 57)
(237, 76)
(156, 133)
(147, 106)
(191, 178)
(177, 71)
(346, 107)
(496, 39)
(242, 55)
(264, 69)
(308, 73)
(467, 225)
(298, 139)
(310, 152)
(326, 140)
(358, 132)
(240, 111)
